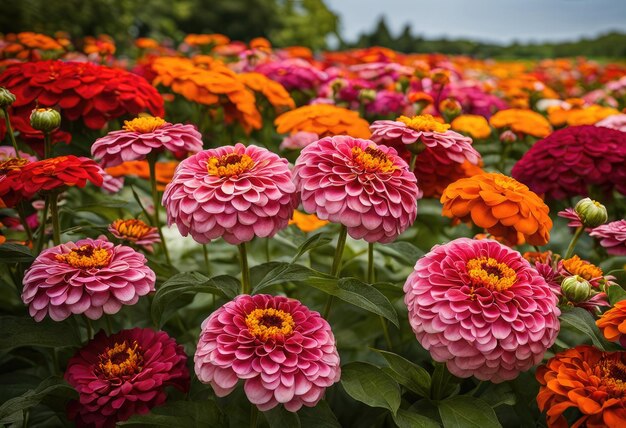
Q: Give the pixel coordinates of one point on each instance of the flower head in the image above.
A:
(500, 204)
(476, 126)
(284, 352)
(587, 379)
(613, 323)
(355, 182)
(136, 232)
(523, 121)
(616, 121)
(141, 136)
(324, 120)
(233, 192)
(481, 308)
(307, 222)
(571, 159)
(88, 277)
(10, 184)
(124, 374)
(612, 237)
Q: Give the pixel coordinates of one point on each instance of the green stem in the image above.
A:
(245, 270)
(22, 213)
(157, 204)
(572, 244)
(383, 322)
(267, 250)
(370, 279)
(109, 324)
(10, 131)
(504, 153)
(25, 414)
(54, 214)
(47, 145)
(412, 162)
(207, 265)
(42, 227)
(336, 268)
(89, 328)
(254, 416)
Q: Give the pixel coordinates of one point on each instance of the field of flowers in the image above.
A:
(226, 234)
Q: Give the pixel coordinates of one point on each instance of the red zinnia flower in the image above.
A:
(124, 374)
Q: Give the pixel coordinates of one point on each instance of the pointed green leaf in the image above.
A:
(320, 416)
(33, 397)
(280, 273)
(24, 331)
(370, 385)
(280, 417)
(408, 419)
(408, 374)
(444, 384)
(616, 294)
(180, 414)
(581, 320)
(311, 243)
(14, 253)
(464, 411)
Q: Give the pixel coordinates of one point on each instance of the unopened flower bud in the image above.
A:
(591, 213)
(367, 95)
(45, 119)
(6, 98)
(440, 76)
(450, 108)
(338, 84)
(576, 289)
(508, 136)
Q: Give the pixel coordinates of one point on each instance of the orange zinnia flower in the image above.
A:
(559, 116)
(38, 41)
(206, 39)
(164, 171)
(586, 379)
(475, 126)
(307, 222)
(502, 205)
(275, 93)
(522, 121)
(613, 323)
(324, 120)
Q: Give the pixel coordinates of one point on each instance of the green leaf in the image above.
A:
(581, 320)
(280, 273)
(107, 209)
(408, 419)
(616, 294)
(444, 384)
(180, 414)
(320, 416)
(408, 374)
(190, 282)
(24, 331)
(370, 385)
(32, 397)
(403, 251)
(358, 293)
(464, 411)
(499, 394)
(311, 243)
(14, 253)
(280, 417)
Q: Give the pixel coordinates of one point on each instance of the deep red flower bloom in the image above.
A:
(569, 160)
(10, 183)
(124, 374)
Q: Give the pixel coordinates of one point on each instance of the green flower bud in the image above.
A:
(367, 95)
(592, 213)
(45, 119)
(6, 98)
(576, 289)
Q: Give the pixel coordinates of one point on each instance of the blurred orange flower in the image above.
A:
(38, 41)
(307, 222)
(574, 116)
(164, 171)
(324, 120)
(275, 93)
(522, 121)
(475, 126)
(206, 39)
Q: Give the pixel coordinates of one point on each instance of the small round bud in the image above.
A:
(338, 84)
(6, 98)
(367, 95)
(450, 108)
(576, 289)
(440, 76)
(591, 213)
(508, 136)
(45, 119)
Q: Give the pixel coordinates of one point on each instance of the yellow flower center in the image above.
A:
(143, 125)
(121, 360)
(229, 165)
(576, 266)
(131, 229)
(424, 123)
(488, 272)
(11, 164)
(613, 376)
(372, 160)
(269, 323)
(86, 257)
(507, 183)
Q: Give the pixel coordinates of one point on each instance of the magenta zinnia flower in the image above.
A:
(612, 237)
(570, 160)
(355, 182)
(91, 277)
(480, 307)
(124, 374)
(143, 135)
(233, 192)
(285, 352)
(445, 145)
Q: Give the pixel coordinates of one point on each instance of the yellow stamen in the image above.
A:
(143, 125)
(12, 163)
(372, 160)
(613, 376)
(488, 272)
(576, 266)
(269, 323)
(121, 360)
(86, 257)
(229, 165)
(425, 123)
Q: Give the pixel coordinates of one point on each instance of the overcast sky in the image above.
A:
(489, 20)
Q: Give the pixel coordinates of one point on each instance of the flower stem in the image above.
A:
(207, 265)
(47, 145)
(254, 416)
(22, 213)
(370, 279)
(89, 328)
(412, 162)
(157, 204)
(10, 131)
(42, 226)
(336, 268)
(245, 270)
(572, 244)
(54, 214)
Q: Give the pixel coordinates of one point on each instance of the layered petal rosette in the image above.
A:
(90, 277)
(136, 232)
(233, 192)
(124, 374)
(481, 308)
(143, 135)
(612, 237)
(366, 187)
(284, 352)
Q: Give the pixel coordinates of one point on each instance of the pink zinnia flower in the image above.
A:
(445, 145)
(285, 352)
(124, 374)
(612, 237)
(8, 152)
(141, 136)
(481, 308)
(299, 140)
(292, 73)
(355, 182)
(572, 216)
(91, 277)
(616, 121)
(233, 192)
